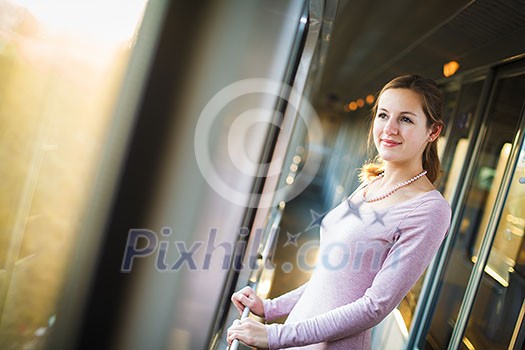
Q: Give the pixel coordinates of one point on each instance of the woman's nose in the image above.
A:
(391, 127)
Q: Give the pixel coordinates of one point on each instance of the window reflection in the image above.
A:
(497, 306)
(503, 254)
(458, 162)
(458, 140)
(61, 64)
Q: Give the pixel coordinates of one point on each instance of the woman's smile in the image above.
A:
(389, 143)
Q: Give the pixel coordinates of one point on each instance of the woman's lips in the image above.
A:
(390, 143)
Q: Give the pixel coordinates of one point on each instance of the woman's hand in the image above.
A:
(249, 332)
(247, 297)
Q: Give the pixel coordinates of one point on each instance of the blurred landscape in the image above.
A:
(57, 93)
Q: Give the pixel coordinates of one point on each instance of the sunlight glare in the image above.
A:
(109, 21)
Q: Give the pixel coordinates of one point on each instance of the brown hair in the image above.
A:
(430, 96)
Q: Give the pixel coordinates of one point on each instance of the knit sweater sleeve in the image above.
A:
(417, 239)
(282, 305)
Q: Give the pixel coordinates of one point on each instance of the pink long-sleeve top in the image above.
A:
(367, 262)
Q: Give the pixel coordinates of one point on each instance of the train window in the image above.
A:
(502, 290)
(507, 247)
(61, 64)
(458, 137)
(501, 126)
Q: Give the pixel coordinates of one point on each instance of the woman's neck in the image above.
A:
(394, 173)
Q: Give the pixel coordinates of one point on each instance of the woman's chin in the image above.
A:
(388, 156)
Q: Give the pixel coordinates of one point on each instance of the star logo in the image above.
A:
(292, 239)
(379, 218)
(354, 209)
(316, 219)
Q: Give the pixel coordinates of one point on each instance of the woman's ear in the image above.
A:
(435, 131)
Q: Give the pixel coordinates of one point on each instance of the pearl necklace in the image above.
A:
(392, 190)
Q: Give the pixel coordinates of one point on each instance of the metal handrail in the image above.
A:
(264, 258)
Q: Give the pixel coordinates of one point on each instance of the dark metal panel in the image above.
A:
(213, 48)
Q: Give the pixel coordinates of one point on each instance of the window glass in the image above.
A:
(501, 127)
(61, 64)
(458, 138)
(501, 293)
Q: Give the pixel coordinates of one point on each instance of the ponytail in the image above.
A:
(431, 162)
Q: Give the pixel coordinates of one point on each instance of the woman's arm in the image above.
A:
(270, 309)
(282, 305)
(420, 235)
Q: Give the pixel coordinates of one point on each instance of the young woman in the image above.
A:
(374, 245)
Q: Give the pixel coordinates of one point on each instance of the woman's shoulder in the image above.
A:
(432, 204)
(435, 196)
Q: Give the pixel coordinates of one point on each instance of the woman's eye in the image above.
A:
(406, 120)
(382, 116)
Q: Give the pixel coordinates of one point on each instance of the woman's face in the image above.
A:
(400, 126)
